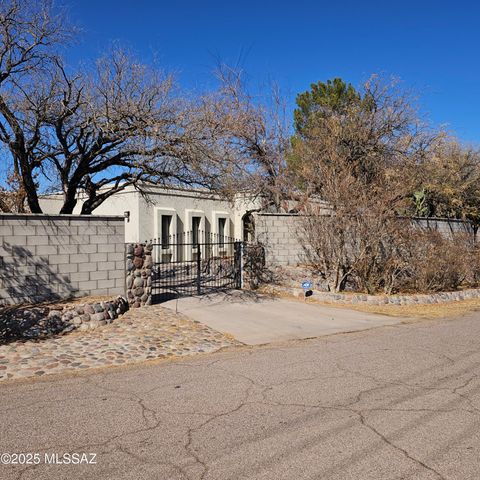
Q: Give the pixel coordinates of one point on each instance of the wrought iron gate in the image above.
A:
(195, 263)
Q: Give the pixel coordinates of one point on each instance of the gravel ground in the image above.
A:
(140, 334)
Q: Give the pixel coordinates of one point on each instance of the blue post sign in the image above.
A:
(306, 285)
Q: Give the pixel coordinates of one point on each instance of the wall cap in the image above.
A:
(61, 215)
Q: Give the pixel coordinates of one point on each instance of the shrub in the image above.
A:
(379, 253)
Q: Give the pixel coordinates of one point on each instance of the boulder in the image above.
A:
(97, 307)
(96, 317)
(148, 262)
(89, 309)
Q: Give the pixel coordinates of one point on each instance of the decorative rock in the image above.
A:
(85, 317)
(97, 317)
(54, 313)
(139, 276)
(89, 309)
(77, 321)
(130, 249)
(148, 262)
(97, 307)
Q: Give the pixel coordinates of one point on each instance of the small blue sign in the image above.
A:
(306, 285)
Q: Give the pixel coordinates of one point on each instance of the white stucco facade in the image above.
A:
(184, 207)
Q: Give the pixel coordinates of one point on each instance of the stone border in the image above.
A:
(91, 315)
(40, 322)
(360, 298)
(139, 274)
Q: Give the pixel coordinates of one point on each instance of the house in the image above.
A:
(164, 212)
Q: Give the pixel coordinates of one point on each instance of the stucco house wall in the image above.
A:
(144, 217)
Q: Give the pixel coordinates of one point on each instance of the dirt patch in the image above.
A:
(436, 310)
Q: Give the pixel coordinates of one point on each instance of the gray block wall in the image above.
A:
(49, 257)
(444, 226)
(278, 232)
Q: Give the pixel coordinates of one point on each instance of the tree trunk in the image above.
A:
(69, 201)
(29, 185)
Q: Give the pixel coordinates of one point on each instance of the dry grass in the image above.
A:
(436, 310)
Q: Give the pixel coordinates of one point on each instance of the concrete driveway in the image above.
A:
(258, 319)
(398, 402)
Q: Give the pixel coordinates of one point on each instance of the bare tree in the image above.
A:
(96, 131)
(253, 136)
(363, 163)
(451, 181)
(115, 126)
(29, 33)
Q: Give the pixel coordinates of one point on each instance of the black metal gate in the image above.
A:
(195, 263)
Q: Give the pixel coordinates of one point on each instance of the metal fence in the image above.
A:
(195, 263)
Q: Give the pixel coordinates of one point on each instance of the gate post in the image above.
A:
(238, 264)
(199, 273)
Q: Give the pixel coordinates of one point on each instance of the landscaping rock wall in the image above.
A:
(53, 257)
(360, 298)
(139, 274)
(44, 321)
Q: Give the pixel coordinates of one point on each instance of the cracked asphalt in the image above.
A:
(396, 402)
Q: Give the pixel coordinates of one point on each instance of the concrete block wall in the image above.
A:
(278, 233)
(48, 257)
(444, 226)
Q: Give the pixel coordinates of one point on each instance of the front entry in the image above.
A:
(195, 263)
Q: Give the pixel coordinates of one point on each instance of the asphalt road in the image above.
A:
(395, 402)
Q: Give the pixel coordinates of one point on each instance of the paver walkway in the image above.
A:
(141, 334)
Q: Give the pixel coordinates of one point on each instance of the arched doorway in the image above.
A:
(248, 227)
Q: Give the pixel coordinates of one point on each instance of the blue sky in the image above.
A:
(431, 46)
